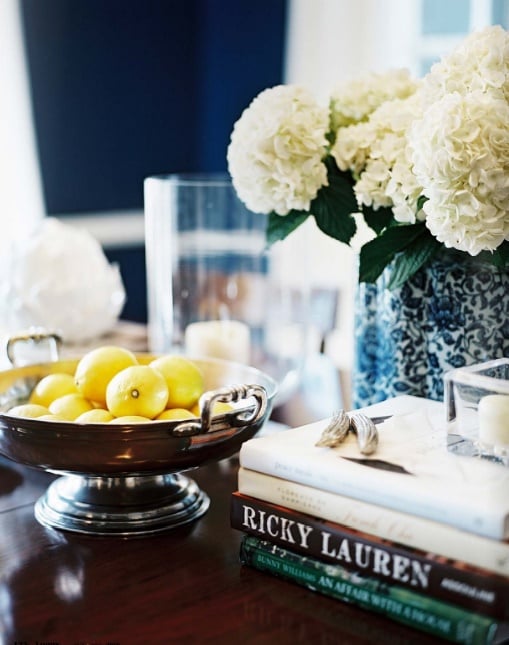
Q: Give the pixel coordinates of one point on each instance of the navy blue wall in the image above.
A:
(123, 89)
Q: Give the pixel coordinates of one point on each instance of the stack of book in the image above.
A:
(412, 531)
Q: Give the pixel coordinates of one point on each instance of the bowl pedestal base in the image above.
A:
(126, 506)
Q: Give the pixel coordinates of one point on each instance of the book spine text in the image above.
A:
(472, 589)
(403, 528)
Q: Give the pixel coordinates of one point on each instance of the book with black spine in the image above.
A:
(400, 527)
(449, 580)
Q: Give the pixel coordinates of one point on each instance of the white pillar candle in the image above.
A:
(493, 412)
(226, 339)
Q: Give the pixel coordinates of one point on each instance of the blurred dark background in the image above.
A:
(123, 89)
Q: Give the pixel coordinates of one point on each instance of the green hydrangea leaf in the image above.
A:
(499, 257)
(414, 256)
(334, 205)
(280, 226)
(376, 254)
(379, 219)
(421, 200)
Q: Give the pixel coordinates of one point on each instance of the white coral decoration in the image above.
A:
(460, 151)
(480, 62)
(376, 152)
(354, 100)
(59, 278)
(275, 157)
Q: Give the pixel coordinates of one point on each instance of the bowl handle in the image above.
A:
(34, 336)
(227, 394)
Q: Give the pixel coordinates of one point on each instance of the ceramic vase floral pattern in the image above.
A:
(451, 313)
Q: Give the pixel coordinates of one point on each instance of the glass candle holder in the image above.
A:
(477, 408)
(214, 288)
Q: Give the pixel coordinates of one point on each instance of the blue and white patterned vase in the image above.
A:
(453, 312)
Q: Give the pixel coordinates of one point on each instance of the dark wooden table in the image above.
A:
(186, 586)
(183, 587)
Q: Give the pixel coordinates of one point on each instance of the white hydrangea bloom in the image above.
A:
(375, 151)
(352, 147)
(480, 62)
(460, 151)
(276, 152)
(404, 190)
(353, 101)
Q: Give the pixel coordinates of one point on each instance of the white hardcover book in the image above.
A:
(409, 530)
(423, 478)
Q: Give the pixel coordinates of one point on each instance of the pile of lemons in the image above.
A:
(110, 385)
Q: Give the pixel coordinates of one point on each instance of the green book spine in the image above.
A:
(402, 605)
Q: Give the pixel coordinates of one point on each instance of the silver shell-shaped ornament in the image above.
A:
(366, 431)
(336, 430)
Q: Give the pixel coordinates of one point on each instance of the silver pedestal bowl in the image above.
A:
(126, 480)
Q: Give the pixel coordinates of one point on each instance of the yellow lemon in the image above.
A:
(129, 418)
(52, 417)
(138, 390)
(96, 369)
(171, 414)
(28, 410)
(52, 387)
(97, 415)
(219, 407)
(183, 378)
(70, 406)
